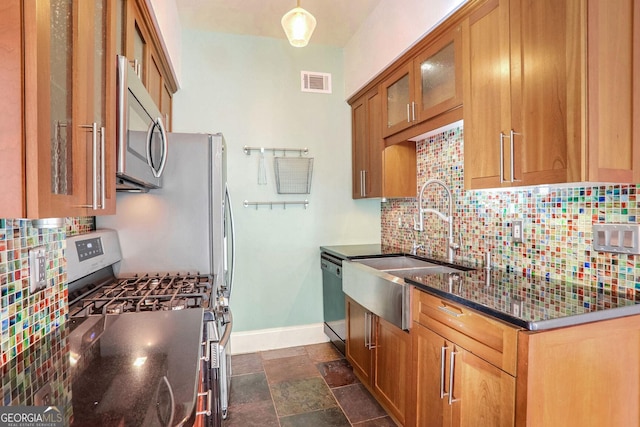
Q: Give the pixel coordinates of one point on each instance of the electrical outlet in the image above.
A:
(44, 395)
(37, 269)
(516, 231)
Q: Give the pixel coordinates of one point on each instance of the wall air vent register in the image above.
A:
(315, 82)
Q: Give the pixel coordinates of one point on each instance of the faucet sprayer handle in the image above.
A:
(456, 246)
(417, 226)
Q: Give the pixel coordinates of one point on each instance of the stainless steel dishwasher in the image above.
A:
(333, 300)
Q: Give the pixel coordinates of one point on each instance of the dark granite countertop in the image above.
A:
(135, 368)
(534, 303)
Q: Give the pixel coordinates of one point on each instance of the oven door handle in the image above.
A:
(172, 402)
(227, 330)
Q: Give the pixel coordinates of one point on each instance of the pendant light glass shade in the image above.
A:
(298, 24)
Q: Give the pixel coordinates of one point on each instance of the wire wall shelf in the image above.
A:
(293, 174)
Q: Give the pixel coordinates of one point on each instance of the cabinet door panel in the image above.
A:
(357, 353)
(584, 392)
(438, 72)
(483, 395)
(359, 146)
(55, 143)
(11, 136)
(486, 96)
(429, 378)
(546, 64)
(392, 361)
(614, 91)
(375, 146)
(397, 95)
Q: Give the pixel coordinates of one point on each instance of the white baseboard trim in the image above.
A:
(275, 338)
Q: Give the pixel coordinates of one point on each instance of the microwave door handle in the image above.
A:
(165, 147)
(157, 172)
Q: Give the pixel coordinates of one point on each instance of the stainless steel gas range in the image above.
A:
(148, 349)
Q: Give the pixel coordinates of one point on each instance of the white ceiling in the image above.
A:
(337, 20)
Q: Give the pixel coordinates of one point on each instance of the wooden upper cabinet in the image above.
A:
(398, 106)
(378, 171)
(64, 109)
(486, 73)
(438, 76)
(137, 40)
(144, 51)
(425, 86)
(612, 149)
(549, 97)
(367, 146)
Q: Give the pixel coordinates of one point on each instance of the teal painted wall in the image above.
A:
(249, 89)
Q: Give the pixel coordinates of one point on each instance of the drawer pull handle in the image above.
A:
(449, 311)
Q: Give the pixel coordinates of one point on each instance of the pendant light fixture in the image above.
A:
(298, 24)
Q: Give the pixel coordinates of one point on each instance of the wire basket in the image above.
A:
(293, 174)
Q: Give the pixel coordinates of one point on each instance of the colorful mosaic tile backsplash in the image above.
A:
(557, 222)
(26, 318)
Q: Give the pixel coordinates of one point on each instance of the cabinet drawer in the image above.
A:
(490, 339)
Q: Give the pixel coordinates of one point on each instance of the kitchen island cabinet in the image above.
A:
(380, 354)
(551, 93)
(58, 121)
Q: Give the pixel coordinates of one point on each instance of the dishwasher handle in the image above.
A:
(331, 264)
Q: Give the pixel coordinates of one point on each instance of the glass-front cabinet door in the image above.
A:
(397, 97)
(65, 82)
(438, 74)
(426, 86)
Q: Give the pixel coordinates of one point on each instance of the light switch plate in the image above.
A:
(37, 269)
(516, 231)
(617, 238)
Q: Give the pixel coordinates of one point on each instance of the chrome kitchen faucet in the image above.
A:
(452, 246)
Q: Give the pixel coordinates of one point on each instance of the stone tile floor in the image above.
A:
(311, 386)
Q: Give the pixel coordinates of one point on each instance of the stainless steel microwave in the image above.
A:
(141, 136)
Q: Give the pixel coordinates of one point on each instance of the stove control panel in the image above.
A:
(90, 252)
(89, 248)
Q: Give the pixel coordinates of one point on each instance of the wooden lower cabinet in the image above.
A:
(380, 354)
(392, 361)
(461, 373)
(359, 352)
(585, 375)
(453, 387)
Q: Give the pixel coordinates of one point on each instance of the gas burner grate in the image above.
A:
(144, 293)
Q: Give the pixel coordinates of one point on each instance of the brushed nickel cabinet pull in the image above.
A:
(452, 364)
(444, 309)
(443, 356)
